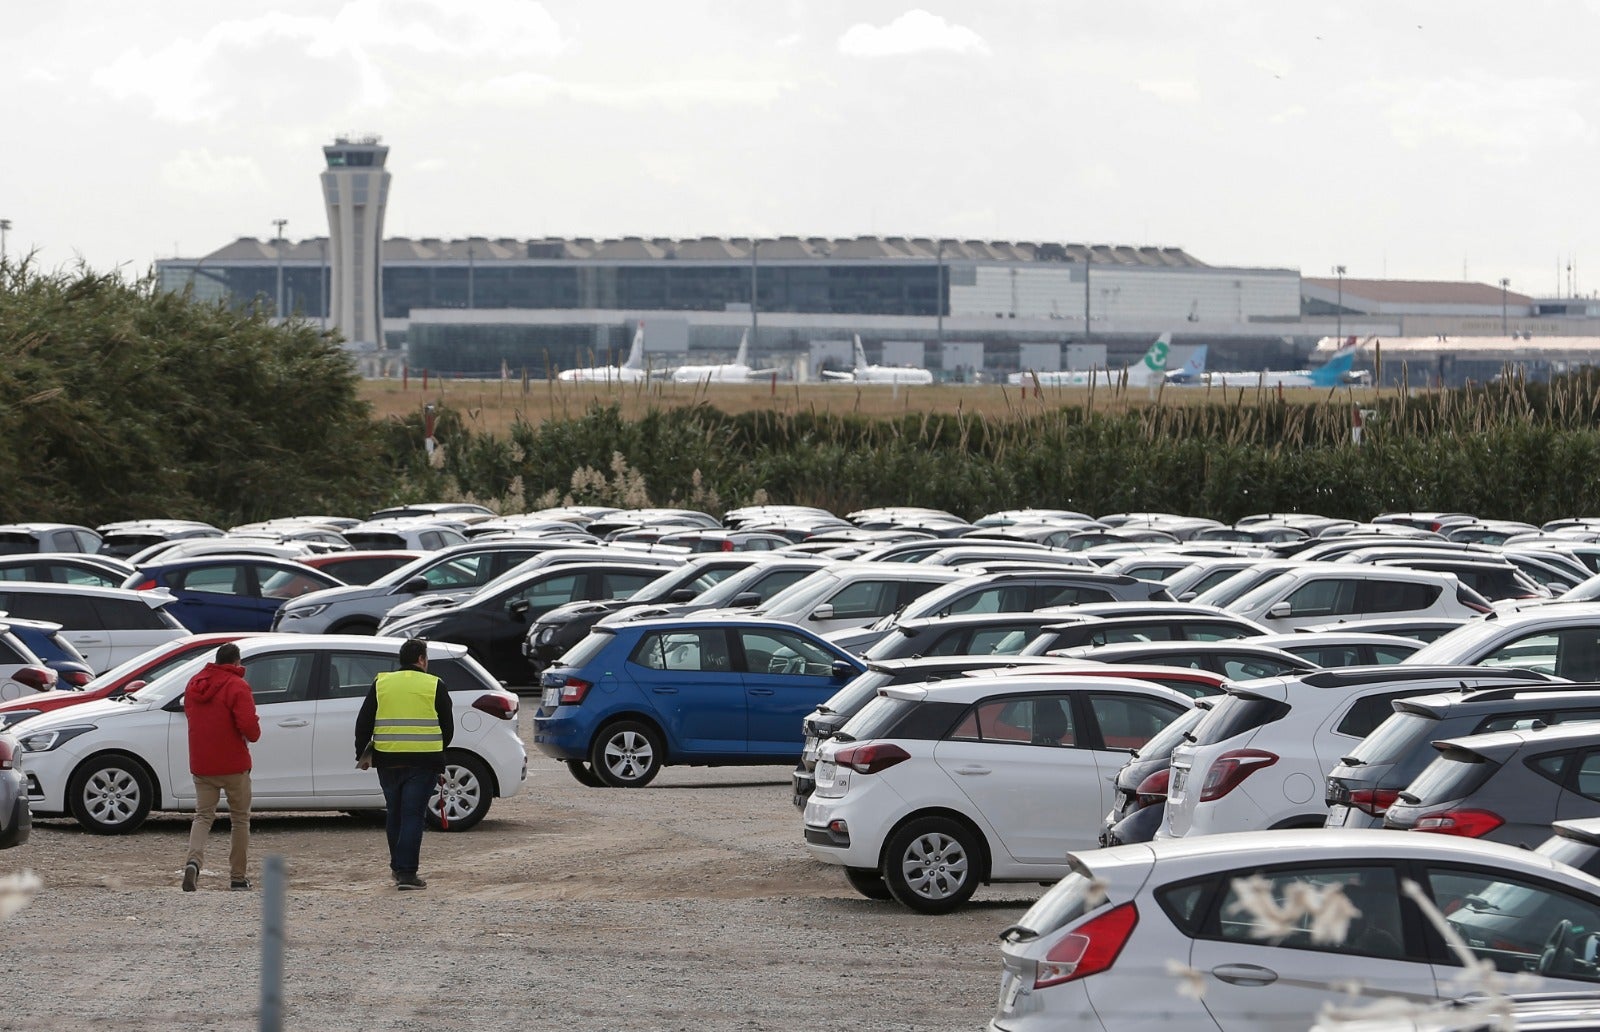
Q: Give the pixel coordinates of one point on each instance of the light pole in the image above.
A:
(471, 266)
(5, 226)
(1505, 324)
(1338, 270)
(280, 223)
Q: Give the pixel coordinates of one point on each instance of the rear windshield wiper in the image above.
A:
(1352, 761)
(840, 736)
(1410, 798)
(1018, 933)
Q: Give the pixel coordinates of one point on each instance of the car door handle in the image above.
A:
(1245, 974)
(293, 723)
(972, 771)
(660, 690)
(761, 691)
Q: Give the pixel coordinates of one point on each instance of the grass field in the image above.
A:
(493, 405)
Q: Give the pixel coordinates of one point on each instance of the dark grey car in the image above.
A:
(16, 820)
(1370, 777)
(1506, 786)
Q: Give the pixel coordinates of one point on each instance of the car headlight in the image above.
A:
(547, 635)
(408, 628)
(44, 741)
(297, 612)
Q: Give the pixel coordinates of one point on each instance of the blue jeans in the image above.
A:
(405, 795)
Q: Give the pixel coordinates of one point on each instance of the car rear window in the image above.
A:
(1585, 856)
(588, 648)
(1234, 715)
(884, 717)
(1067, 901)
(1167, 739)
(848, 700)
(1397, 737)
(17, 544)
(1454, 774)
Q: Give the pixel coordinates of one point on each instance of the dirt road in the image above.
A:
(686, 905)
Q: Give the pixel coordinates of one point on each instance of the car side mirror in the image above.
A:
(519, 610)
(843, 671)
(1280, 610)
(1188, 596)
(682, 595)
(127, 689)
(745, 599)
(174, 706)
(414, 586)
(822, 612)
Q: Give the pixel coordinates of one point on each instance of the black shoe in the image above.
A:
(409, 881)
(239, 884)
(191, 876)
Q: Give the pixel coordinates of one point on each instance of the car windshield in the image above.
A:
(760, 578)
(1260, 596)
(1238, 584)
(800, 596)
(1167, 739)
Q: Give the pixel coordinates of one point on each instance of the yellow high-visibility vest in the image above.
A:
(407, 721)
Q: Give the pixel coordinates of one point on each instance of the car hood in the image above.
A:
(38, 698)
(324, 596)
(87, 713)
(424, 603)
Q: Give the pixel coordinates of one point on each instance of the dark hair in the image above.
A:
(228, 653)
(411, 650)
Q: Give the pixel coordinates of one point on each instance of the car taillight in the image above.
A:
(6, 754)
(1089, 949)
(497, 706)
(573, 690)
(1374, 802)
(1152, 789)
(1231, 768)
(727, 546)
(148, 584)
(871, 757)
(1466, 823)
(40, 679)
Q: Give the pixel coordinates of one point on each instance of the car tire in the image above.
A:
(867, 882)
(467, 790)
(111, 795)
(626, 754)
(355, 627)
(584, 774)
(932, 865)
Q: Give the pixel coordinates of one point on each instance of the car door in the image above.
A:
(1317, 600)
(132, 627)
(281, 761)
(218, 597)
(498, 625)
(1269, 952)
(341, 686)
(80, 623)
(1019, 760)
(1544, 933)
(687, 676)
(786, 676)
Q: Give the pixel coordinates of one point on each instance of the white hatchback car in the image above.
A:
(1235, 933)
(1259, 760)
(109, 763)
(107, 625)
(934, 788)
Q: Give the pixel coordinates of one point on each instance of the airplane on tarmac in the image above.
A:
(1193, 371)
(1334, 372)
(1147, 370)
(737, 371)
(864, 373)
(632, 370)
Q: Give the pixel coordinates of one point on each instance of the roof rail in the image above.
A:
(1493, 692)
(1349, 677)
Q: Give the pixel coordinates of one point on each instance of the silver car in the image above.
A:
(15, 819)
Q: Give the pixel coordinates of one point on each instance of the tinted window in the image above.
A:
(120, 614)
(1367, 712)
(1397, 736)
(1587, 772)
(1234, 715)
(849, 699)
(350, 674)
(1042, 720)
(63, 609)
(702, 649)
(1397, 596)
(1073, 596)
(1578, 654)
(1168, 738)
(11, 650)
(1130, 721)
(623, 585)
(17, 543)
(1452, 775)
(1328, 655)
(1375, 932)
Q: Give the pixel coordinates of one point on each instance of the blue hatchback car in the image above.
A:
(218, 593)
(633, 697)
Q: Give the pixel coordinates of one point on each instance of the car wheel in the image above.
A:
(932, 865)
(626, 754)
(867, 882)
(466, 791)
(111, 795)
(355, 627)
(584, 774)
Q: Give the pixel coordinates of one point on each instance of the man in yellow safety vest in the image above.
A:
(403, 728)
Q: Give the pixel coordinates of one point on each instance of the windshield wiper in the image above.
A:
(840, 736)
(1352, 761)
(1018, 933)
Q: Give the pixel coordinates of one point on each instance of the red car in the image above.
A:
(116, 682)
(362, 567)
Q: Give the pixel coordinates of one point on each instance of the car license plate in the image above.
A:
(1337, 815)
(1180, 777)
(826, 770)
(809, 753)
(1011, 986)
(552, 698)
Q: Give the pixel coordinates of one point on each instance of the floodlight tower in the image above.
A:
(355, 188)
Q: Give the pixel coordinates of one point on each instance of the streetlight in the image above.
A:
(280, 223)
(5, 225)
(1505, 326)
(1339, 318)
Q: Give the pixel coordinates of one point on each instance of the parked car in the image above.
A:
(849, 595)
(1575, 843)
(1341, 648)
(110, 763)
(1139, 789)
(357, 608)
(634, 697)
(1562, 638)
(1370, 777)
(1331, 591)
(23, 538)
(106, 625)
(1233, 659)
(16, 820)
(45, 640)
(120, 680)
(493, 621)
(65, 568)
(1259, 760)
(420, 532)
(1093, 952)
(362, 567)
(1506, 786)
(126, 537)
(933, 789)
(229, 592)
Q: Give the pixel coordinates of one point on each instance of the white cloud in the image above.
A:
(531, 88)
(914, 32)
(201, 172)
(1505, 120)
(1174, 91)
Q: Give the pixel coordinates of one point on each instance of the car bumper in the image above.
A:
(803, 784)
(560, 736)
(858, 841)
(16, 820)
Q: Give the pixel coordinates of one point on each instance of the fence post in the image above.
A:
(272, 893)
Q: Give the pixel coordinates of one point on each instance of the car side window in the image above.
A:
(1532, 652)
(998, 642)
(1328, 655)
(1239, 668)
(1587, 772)
(467, 571)
(1578, 654)
(1387, 654)
(1074, 595)
(279, 676)
(56, 608)
(215, 580)
(10, 649)
(127, 615)
(1519, 925)
(1129, 721)
(350, 674)
(780, 652)
(1378, 596)
(1003, 599)
(1375, 930)
(545, 593)
(1212, 632)
(705, 649)
(63, 541)
(864, 599)
(623, 585)
(1039, 720)
(1324, 597)
(74, 575)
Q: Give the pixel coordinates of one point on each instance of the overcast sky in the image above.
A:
(1428, 140)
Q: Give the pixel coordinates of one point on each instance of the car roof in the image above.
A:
(1503, 743)
(1500, 698)
(971, 689)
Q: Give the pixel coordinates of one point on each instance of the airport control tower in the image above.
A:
(355, 188)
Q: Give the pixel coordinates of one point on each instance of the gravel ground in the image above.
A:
(690, 904)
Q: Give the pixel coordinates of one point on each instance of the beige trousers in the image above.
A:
(208, 790)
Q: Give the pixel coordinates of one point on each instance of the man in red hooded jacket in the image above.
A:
(222, 723)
